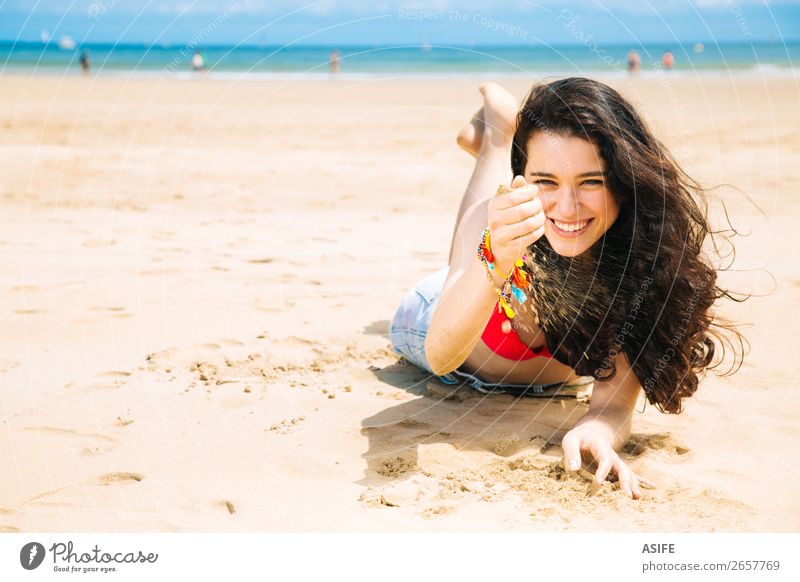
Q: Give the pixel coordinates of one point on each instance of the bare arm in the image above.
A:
(613, 402)
(516, 220)
(605, 427)
(461, 314)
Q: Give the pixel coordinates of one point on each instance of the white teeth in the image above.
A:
(570, 227)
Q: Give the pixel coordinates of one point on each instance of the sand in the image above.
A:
(198, 279)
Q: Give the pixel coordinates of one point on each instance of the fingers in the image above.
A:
(628, 481)
(607, 459)
(520, 192)
(636, 491)
(523, 217)
(604, 466)
(516, 228)
(520, 212)
(572, 451)
(528, 239)
(510, 232)
(516, 217)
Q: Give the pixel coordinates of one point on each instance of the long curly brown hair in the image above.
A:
(646, 288)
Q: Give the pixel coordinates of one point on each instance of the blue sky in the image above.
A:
(438, 22)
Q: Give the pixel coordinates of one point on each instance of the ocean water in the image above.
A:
(313, 61)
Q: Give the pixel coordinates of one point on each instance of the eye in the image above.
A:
(592, 182)
(545, 182)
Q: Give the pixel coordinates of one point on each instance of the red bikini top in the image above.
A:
(508, 345)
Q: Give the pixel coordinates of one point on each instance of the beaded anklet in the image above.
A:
(514, 283)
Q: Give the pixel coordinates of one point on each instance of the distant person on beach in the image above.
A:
(84, 62)
(590, 267)
(198, 62)
(334, 62)
(667, 60)
(634, 61)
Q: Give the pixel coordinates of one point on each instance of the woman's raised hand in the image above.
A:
(516, 221)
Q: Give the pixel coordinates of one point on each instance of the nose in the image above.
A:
(563, 202)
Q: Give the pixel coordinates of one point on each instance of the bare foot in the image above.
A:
(500, 115)
(497, 120)
(469, 139)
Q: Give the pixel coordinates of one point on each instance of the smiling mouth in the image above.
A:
(570, 229)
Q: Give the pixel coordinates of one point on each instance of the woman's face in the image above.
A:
(572, 185)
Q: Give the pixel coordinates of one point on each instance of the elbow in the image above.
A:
(440, 362)
(431, 357)
(442, 370)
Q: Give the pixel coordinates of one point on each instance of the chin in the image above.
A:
(567, 248)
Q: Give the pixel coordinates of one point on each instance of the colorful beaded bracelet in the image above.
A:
(514, 283)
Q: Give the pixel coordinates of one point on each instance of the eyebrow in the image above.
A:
(583, 175)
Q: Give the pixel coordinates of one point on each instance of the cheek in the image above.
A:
(607, 208)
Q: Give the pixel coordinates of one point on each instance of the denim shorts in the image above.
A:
(410, 326)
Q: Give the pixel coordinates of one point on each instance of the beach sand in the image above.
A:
(198, 279)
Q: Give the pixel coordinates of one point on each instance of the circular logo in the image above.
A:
(31, 555)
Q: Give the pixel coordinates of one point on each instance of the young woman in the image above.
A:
(602, 232)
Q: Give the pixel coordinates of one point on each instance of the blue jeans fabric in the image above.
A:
(410, 326)
(413, 317)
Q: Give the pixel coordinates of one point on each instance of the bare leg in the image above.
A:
(488, 137)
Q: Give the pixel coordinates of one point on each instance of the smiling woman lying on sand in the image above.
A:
(594, 264)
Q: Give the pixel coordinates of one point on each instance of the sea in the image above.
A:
(295, 62)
